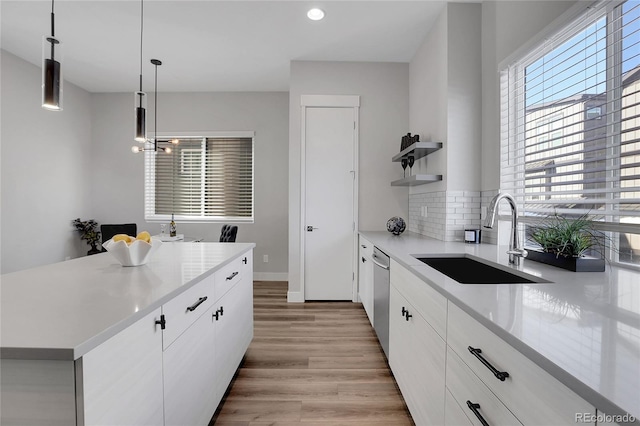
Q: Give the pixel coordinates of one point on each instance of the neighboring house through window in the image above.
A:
(571, 125)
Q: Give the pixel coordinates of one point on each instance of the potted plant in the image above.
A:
(88, 231)
(565, 243)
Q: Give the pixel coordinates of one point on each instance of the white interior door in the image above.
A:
(329, 220)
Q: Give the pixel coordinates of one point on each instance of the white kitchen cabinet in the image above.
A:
(530, 393)
(365, 276)
(417, 359)
(429, 303)
(234, 331)
(123, 346)
(184, 309)
(190, 375)
(476, 400)
(454, 414)
(120, 381)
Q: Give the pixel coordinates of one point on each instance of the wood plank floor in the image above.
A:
(311, 364)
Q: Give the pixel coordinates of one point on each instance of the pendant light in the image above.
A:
(52, 69)
(154, 144)
(140, 98)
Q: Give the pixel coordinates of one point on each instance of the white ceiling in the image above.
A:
(210, 45)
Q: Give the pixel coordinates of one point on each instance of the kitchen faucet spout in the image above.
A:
(515, 251)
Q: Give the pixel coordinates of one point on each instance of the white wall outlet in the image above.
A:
(265, 258)
(423, 211)
(483, 212)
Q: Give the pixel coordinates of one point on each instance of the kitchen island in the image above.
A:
(88, 341)
(582, 329)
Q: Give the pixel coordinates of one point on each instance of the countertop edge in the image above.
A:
(68, 354)
(590, 395)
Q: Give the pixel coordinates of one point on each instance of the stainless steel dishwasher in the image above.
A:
(381, 298)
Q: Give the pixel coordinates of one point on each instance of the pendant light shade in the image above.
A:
(52, 69)
(154, 144)
(140, 98)
(140, 102)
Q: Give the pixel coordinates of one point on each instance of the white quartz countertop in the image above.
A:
(63, 310)
(582, 327)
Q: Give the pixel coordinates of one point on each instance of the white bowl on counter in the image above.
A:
(135, 254)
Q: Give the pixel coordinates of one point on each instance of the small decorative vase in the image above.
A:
(94, 250)
(396, 225)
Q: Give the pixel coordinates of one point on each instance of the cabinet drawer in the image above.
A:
(454, 414)
(466, 388)
(184, 309)
(427, 301)
(532, 394)
(229, 276)
(365, 247)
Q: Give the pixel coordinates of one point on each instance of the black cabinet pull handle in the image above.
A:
(161, 322)
(475, 407)
(232, 276)
(244, 260)
(221, 310)
(406, 314)
(363, 259)
(198, 303)
(363, 246)
(215, 315)
(501, 375)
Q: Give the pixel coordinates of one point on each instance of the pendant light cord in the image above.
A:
(141, 38)
(53, 34)
(155, 107)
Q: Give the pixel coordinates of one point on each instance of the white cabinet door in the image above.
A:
(365, 277)
(120, 381)
(453, 413)
(234, 331)
(417, 359)
(189, 375)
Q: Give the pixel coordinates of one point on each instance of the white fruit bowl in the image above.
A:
(135, 254)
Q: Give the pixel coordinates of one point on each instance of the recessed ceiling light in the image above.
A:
(315, 14)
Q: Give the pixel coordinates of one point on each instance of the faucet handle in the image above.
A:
(518, 252)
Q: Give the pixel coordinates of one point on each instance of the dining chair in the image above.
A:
(228, 233)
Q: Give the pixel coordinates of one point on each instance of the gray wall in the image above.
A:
(384, 111)
(446, 96)
(46, 158)
(119, 180)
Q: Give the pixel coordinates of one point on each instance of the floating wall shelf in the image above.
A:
(416, 180)
(417, 150)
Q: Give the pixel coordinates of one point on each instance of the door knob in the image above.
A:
(311, 228)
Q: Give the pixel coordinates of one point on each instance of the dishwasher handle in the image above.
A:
(373, 259)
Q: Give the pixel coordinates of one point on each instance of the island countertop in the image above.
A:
(582, 327)
(63, 310)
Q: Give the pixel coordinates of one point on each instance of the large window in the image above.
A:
(203, 179)
(570, 126)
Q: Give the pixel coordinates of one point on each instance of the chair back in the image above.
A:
(108, 231)
(228, 233)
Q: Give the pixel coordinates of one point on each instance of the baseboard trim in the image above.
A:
(295, 297)
(270, 276)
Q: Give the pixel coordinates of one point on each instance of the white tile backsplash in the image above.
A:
(449, 213)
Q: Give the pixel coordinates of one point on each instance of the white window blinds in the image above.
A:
(204, 179)
(570, 122)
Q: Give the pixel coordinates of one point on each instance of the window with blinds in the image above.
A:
(203, 179)
(570, 124)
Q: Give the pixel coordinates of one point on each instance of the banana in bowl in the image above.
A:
(132, 251)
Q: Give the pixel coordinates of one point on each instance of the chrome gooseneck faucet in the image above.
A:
(515, 252)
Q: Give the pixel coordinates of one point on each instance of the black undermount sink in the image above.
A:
(466, 270)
